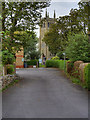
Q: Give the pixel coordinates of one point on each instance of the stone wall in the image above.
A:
(7, 79)
(81, 71)
(77, 70)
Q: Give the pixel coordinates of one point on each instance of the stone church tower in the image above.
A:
(44, 27)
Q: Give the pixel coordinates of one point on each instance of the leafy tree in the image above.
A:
(33, 55)
(20, 16)
(57, 36)
(84, 8)
(78, 48)
(28, 40)
(75, 22)
(30, 51)
(51, 39)
(7, 58)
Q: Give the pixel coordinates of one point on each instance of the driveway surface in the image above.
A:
(44, 93)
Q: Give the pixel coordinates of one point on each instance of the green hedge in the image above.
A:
(10, 69)
(87, 75)
(32, 62)
(56, 64)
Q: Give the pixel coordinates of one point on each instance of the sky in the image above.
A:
(61, 7)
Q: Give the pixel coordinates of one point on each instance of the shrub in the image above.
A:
(55, 58)
(7, 58)
(62, 64)
(10, 69)
(52, 63)
(56, 63)
(78, 48)
(32, 62)
(87, 75)
(60, 55)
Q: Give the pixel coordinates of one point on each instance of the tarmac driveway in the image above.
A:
(44, 93)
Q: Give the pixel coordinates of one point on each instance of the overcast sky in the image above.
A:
(62, 7)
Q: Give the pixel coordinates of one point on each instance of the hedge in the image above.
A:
(87, 75)
(56, 64)
(32, 62)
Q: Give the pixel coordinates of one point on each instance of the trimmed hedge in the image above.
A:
(87, 75)
(56, 64)
(32, 62)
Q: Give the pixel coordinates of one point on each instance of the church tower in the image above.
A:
(44, 27)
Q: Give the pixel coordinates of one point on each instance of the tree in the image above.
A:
(20, 16)
(30, 50)
(75, 22)
(51, 39)
(78, 48)
(57, 36)
(7, 58)
(84, 8)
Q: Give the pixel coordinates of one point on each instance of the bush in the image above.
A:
(52, 63)
(56, 63)
(32, 62)
(7, 58)
(60, 55)
(10, 69)
(87, 75)
(78, 48)
(55, 58)
(62, 64)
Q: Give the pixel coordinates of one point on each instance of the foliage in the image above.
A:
(19, 16)
(41, 65)
(10, 69)
(84, 13)
(32, 62)
(76, 81)
(87, 75)
(55, 58)
(7, 43)
(28, 40)
(51, 39)
(78, 48)
(7, 58)
(77, 21)
(60, 55)
(52, 63)
(56, 63)
(62, 64)
(35, 55)
(70, 67)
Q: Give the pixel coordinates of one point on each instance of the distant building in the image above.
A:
(44, 27)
